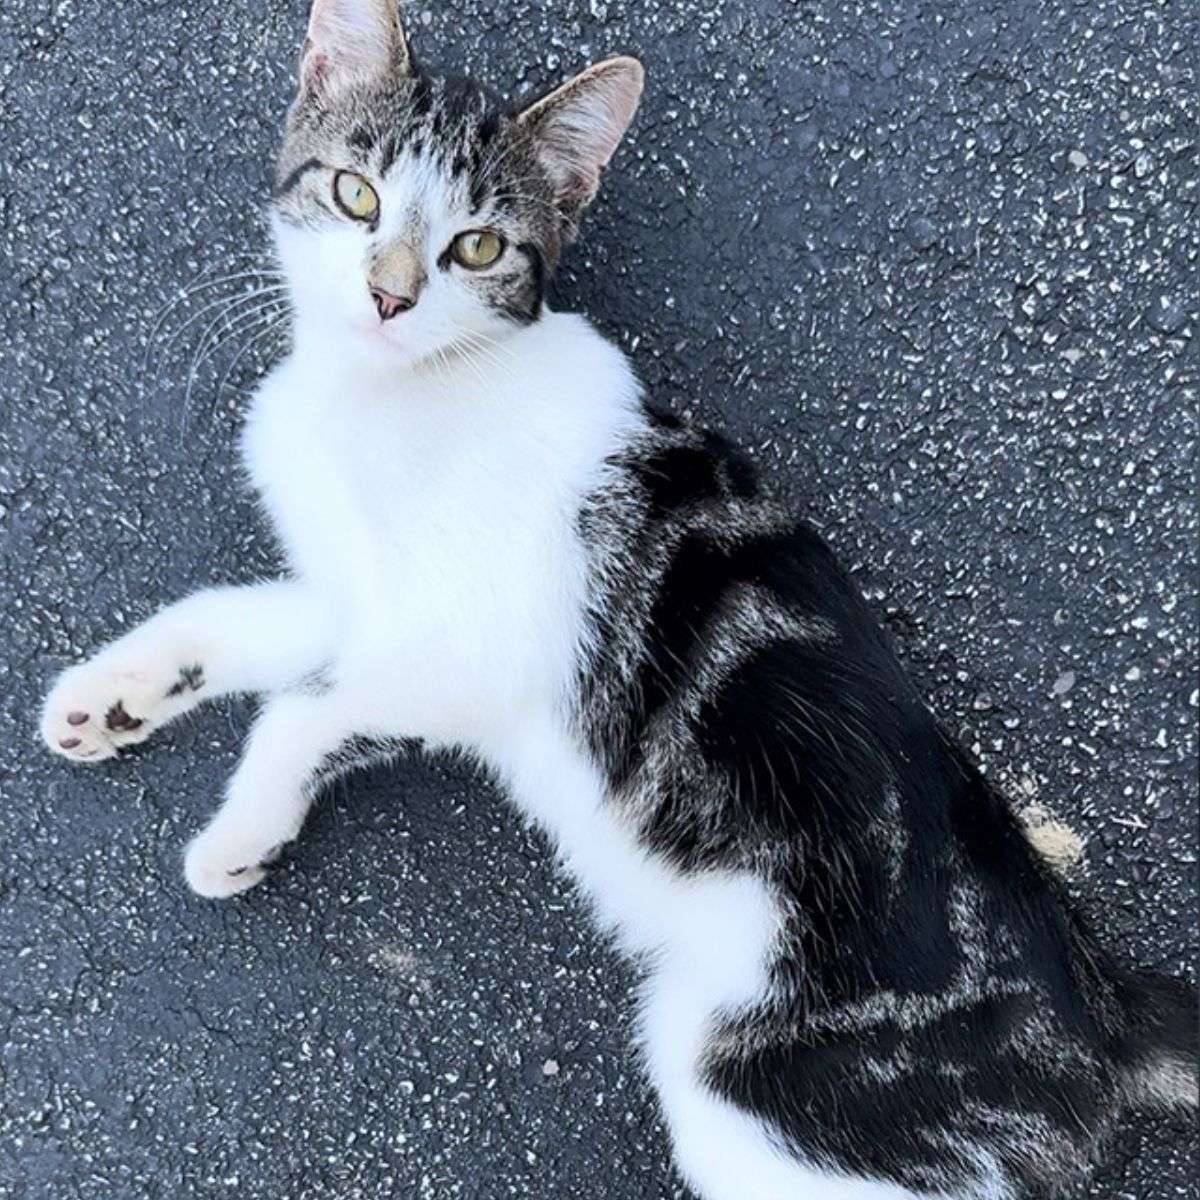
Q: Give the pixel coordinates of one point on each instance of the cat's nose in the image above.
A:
(388, 305)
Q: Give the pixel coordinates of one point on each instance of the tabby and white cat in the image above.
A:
(860, 981)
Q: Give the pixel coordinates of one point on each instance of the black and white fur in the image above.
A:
(861, 982)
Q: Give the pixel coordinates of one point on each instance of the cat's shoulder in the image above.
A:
(568, 346)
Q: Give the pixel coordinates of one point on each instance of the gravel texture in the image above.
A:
(934, 262)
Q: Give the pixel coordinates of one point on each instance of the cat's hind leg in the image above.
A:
(727, 1154)
(223, 640)
(716, 965)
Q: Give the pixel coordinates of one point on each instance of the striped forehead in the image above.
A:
(417, 195)
(434, 123)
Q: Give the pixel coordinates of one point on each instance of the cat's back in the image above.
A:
(935, 1008)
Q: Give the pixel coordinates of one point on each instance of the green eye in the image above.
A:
(355, 196)
(477, 248)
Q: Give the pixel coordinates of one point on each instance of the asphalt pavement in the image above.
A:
(933, 262)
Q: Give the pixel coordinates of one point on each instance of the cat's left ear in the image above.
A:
(353, 41)
(578, 126)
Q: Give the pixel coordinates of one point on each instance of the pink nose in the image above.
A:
(388, 305)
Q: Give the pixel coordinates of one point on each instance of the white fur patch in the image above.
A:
(1055, 841)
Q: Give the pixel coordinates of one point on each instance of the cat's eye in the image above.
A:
(355, 196)
(477, 248)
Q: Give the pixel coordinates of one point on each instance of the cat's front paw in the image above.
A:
(218, 865)
(103, 705)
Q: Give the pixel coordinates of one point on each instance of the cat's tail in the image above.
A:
(1156, 1050)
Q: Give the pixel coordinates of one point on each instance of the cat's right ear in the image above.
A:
(577, 128)
(352, 41)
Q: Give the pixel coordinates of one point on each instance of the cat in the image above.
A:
(861, 980)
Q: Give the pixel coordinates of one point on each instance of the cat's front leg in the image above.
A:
(233, 639)
(270, 793)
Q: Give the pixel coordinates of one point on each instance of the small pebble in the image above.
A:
(1063, 684)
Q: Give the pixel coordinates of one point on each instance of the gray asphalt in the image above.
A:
(933, 262)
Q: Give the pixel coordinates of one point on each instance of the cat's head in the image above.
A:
(417, 215)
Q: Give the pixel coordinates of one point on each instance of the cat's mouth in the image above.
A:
(395, 347)
(381, 336)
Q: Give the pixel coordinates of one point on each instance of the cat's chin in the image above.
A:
(390, 348)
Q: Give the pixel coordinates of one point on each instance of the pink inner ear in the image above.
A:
(578, 127)
(312, 61)
(578, 187)
(351, 40)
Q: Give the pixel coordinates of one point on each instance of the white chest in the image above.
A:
(439, 526)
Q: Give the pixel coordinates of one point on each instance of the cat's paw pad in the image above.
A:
(217, 867)
(77, 735)
(97, 708)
